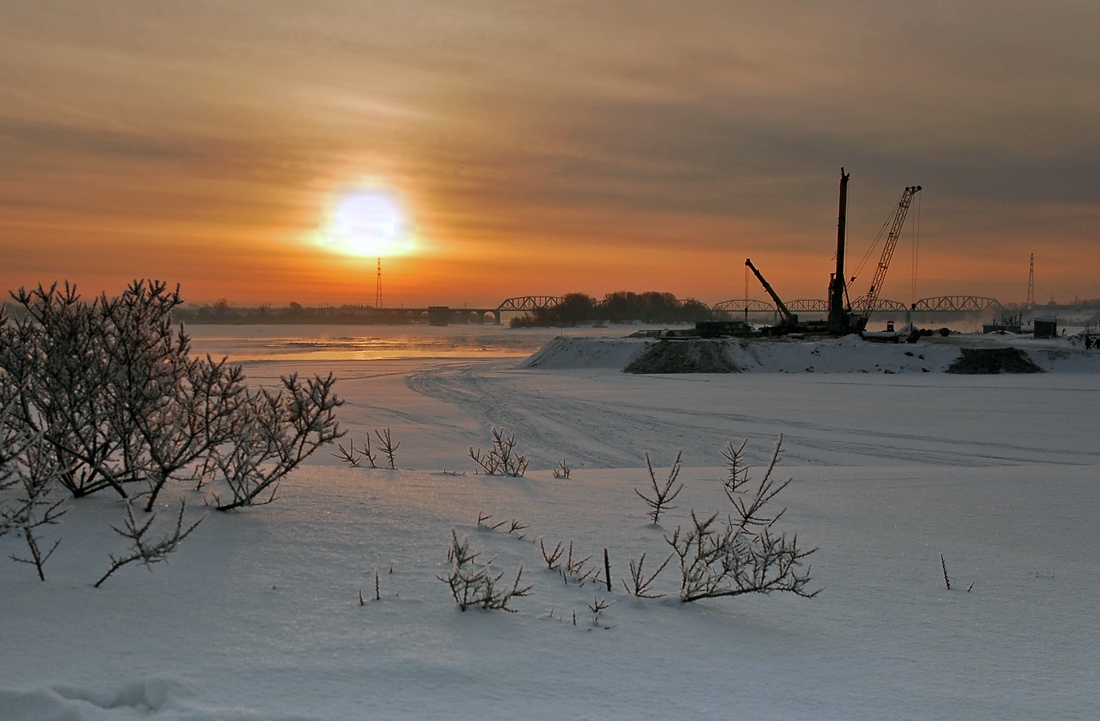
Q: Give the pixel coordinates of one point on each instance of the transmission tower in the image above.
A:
(1031, 284)
(378, 287)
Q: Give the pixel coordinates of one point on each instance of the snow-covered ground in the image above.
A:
(849, 354)
(258, 615)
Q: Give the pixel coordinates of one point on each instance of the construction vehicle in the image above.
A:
(789, 319)
(845, 317)
(865, 304)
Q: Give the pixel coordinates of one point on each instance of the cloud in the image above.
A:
(507, 125)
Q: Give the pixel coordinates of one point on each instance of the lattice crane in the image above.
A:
(866, 303)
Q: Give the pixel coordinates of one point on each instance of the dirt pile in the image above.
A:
(685, 356)
(993, 360)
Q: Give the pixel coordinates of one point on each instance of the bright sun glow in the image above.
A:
(369, 223)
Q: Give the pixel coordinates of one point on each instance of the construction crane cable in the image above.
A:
(875, 242)
(866, 303)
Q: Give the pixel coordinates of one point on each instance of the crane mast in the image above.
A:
(789, 318)
(866, 304)
(838, 313)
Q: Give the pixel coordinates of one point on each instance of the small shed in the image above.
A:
(1046, 327)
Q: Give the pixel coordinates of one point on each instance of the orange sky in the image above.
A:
(544, 148)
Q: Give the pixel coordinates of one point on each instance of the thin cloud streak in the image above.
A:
(527, 131)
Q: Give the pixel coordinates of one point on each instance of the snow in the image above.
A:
(820, 355)
(258, 616)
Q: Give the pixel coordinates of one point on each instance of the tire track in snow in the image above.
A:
(612, 421)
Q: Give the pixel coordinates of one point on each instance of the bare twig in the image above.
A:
(143, 550)
(598, 606)
(388, 446)
(348, 455)
(640, 583)
(662, 493)
(553, 557)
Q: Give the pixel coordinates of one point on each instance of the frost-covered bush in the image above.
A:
(502, 458)
(741, 554)
(105, 395)
(473, 583)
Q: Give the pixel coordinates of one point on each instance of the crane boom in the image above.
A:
(789, 318)
(866, 304)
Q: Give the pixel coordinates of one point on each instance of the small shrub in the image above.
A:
(475, 584)
(502, 458)
(741, 554)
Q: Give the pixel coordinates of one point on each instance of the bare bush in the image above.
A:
(563, 470)
(475, 584)
(144, 549)
(27, 477)
(27, 502)
(279, 432)
(741, 554)
(109, 393)
(114, 392)
(663, 493)
(502, 458)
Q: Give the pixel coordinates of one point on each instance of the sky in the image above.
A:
(540, 148)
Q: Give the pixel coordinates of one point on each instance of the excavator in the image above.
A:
(845, 317)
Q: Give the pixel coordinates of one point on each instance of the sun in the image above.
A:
(367, 222)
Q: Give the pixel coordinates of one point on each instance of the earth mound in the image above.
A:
(992, 361)
(565, 353)
(684, 356)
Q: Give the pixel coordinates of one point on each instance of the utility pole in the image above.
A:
(378, 287)
(1031, 284)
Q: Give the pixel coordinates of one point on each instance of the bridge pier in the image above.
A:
(443, 315)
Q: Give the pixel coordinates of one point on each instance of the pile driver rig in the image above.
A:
(845, 317)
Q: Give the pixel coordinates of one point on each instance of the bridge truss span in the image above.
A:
(528, 303)
(880, 305)
(808, 305)
(741, 306)
(956, 304)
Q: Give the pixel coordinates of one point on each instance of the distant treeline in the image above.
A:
(222, 312)
(621, 307)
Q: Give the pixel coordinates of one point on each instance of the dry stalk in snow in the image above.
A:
(388, 447)
(663, 493)
(639, 582)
